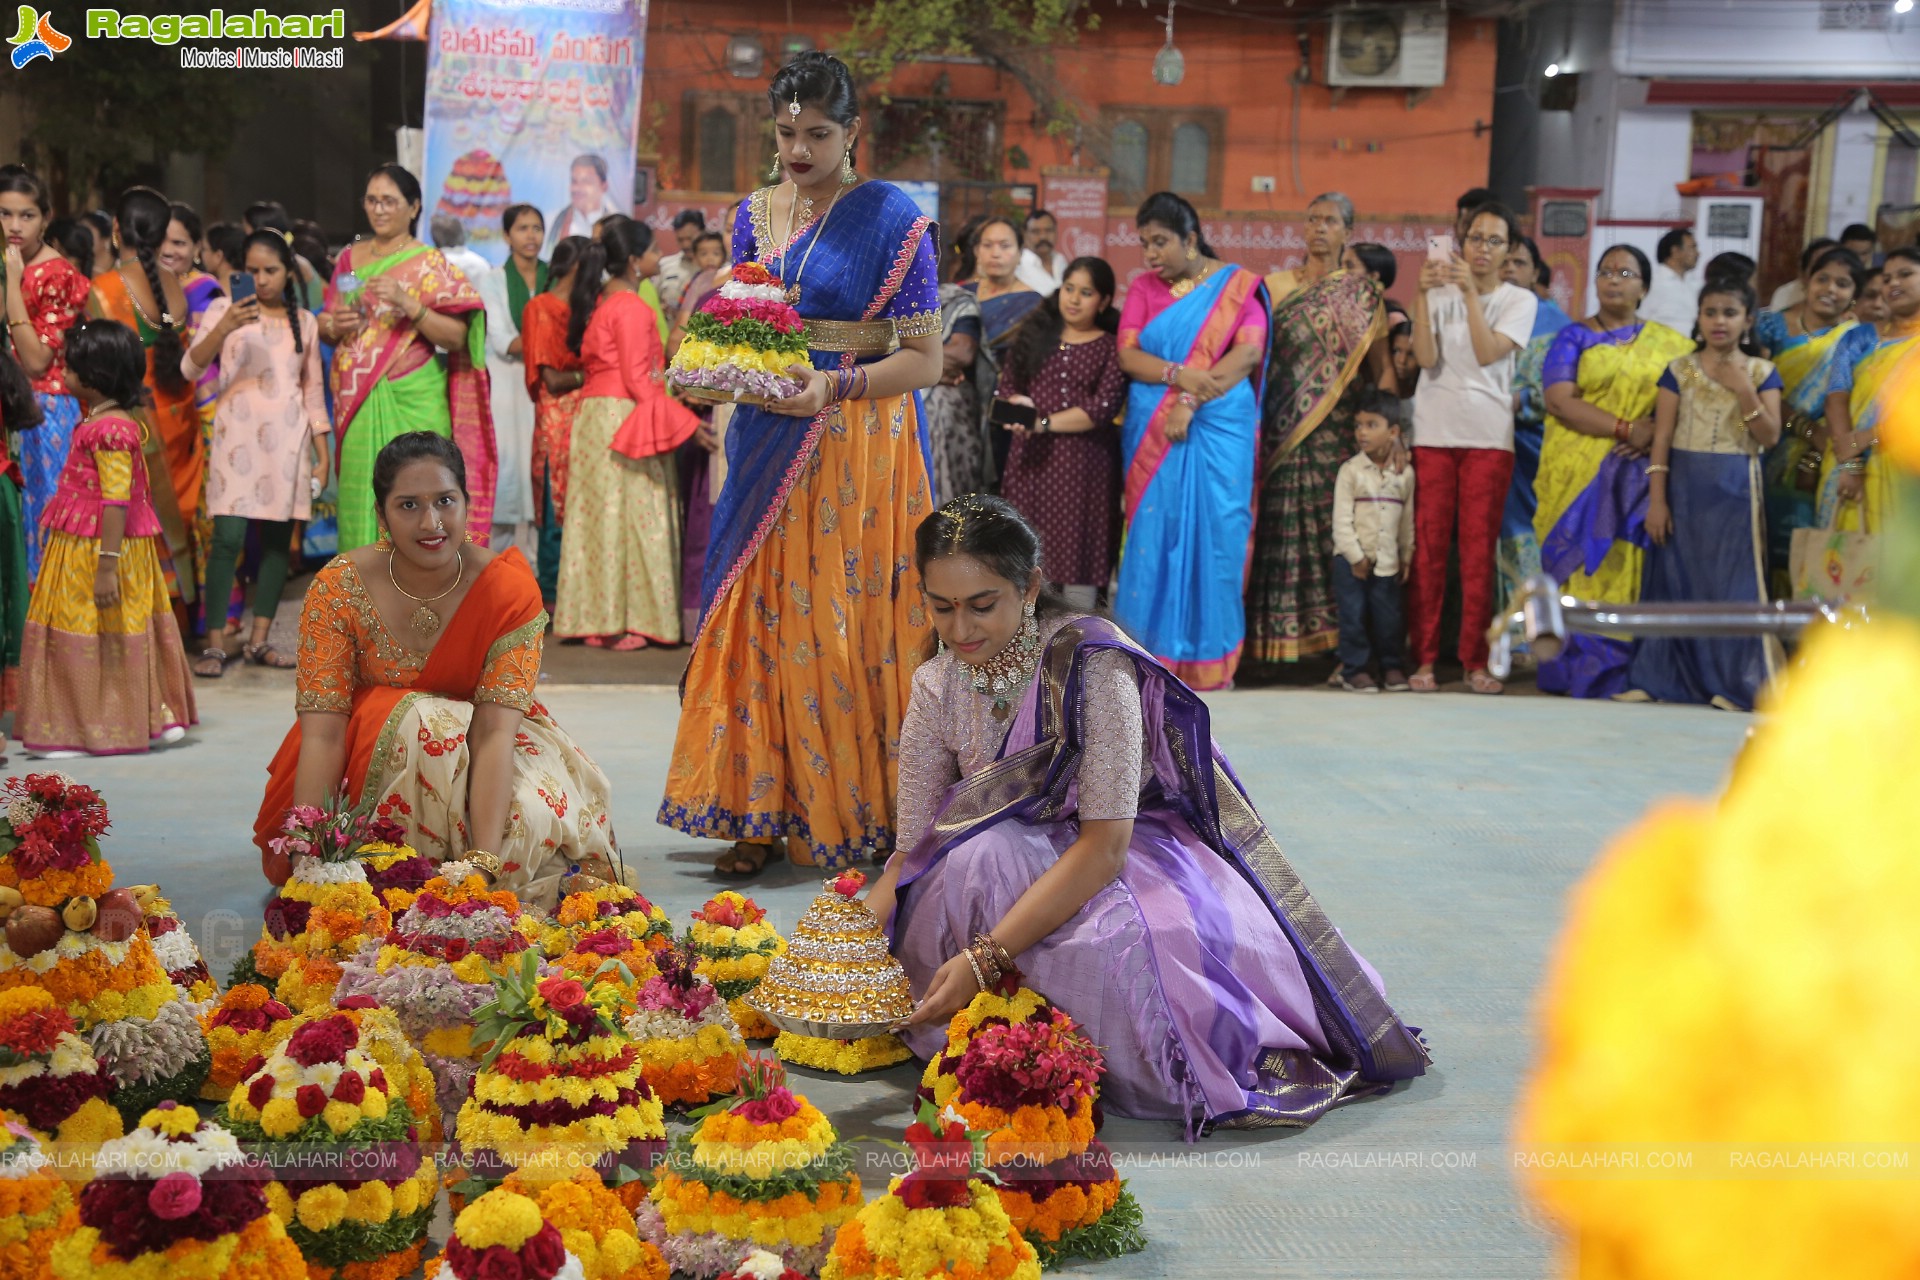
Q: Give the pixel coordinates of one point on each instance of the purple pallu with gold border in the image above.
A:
(1218, 988)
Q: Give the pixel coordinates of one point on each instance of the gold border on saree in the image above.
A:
(860, 337)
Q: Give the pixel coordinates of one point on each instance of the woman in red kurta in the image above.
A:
(620, 564)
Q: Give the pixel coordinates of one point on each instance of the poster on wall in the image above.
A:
(531, 102)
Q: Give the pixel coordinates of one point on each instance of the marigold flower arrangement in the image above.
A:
(560, 1087)
(1019, 1069)
(242, 1029)
(382, 1035)
(595, 1224)
(435, 967)
(92, 954)
(764, 1172)
(36, 1206)
(604, 906)
(326, 909)
(49, 1077)
(1702, 932)
(175, 948)
(690, 1050)
(943, 1220)
(354, 1193)
(502, 1236)
(176, 1199)
(741, 343)
(735, 944)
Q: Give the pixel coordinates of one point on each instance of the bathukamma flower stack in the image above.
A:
(49, 1077)
(353, 1190)
(605, 906)
(595, 1224)
(501, 1236)
(942, 1220)
(176, 1199)
(735, 944)
(768, 1172)
(36, 1205)
(70, 933)
(741, 343)
(175, 948)
(324, 912)
(1019, 1070)
(242, 1029)
(836, 975)
(690, 1051)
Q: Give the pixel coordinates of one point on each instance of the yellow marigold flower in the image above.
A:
(406, 1197)
(374, 1105)
(370, 1202)
(341, 1116)
(279, 1201)
(174, 1122)
(322, 1207)
(498, 1218)
(280, 1118)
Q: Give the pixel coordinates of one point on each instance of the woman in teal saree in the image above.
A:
(410, 336)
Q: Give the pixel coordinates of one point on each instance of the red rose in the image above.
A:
(378, 1080)
(275, 1010)
(562, 994)
(356, 1002)
(456, 949)
(260, 1092)
(253, 1066)
(350, 1088)
(325, 1041)
(310, 1099)
(921, 1191)
(500, 1263)
(544, 1253)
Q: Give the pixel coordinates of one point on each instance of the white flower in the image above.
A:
(571, 1269)
(313, 871)
(457, 870)
(22, 810)
(175, 951)
(147, 1154)
(953, 1116)
(761, 1265)
(324, 1074)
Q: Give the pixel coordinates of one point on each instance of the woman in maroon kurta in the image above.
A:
(1063, 473)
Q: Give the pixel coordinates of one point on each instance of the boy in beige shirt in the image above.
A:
(1373, 544)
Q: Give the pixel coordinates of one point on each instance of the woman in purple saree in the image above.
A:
(1061, 799)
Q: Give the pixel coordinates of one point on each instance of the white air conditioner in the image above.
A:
(1403, 49)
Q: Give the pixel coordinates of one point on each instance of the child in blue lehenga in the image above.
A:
(1718, 411)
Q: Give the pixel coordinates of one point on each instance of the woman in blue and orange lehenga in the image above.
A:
(1193, 337)
(802, 665)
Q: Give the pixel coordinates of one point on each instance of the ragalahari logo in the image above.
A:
(37, 38)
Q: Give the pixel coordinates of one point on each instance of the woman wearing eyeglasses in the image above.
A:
(393, 307)
(1602, 378)
(1468, 328)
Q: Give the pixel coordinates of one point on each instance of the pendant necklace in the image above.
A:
(424, 620)
(1004, 676)
(793, 290)
(1186, 286)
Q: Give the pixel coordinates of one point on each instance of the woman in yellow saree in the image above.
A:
(1601, 380)
(1856, 489)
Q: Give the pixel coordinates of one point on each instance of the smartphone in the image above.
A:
(1006, 413)
(242, 287)
(1440, 247)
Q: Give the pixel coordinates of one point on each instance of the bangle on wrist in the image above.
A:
(485, 861)
(1170, 375)
(110, 555)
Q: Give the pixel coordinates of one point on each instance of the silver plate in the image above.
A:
(822, 1030)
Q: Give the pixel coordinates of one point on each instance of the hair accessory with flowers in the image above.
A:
(766, 1169)
(48, 1074)
(735, 944)
(943, 1219)
(352, 1188)
(690, 1049)
(502, 1236)
(559, 1086)
(1020, 1070)
(175, 1197)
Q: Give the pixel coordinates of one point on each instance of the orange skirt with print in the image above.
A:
(791, 707)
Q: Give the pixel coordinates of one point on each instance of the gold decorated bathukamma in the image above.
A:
(837, 979)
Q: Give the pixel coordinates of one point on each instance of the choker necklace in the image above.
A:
(424, 619)
(1004, 676)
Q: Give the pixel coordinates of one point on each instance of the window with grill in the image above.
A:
(1152, 149)
(937, 139)
(726, 141)
(719, 151)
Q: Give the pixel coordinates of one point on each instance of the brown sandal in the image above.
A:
(265, 655)
(744, 853)
(212, 662)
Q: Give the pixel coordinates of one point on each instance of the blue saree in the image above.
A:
(801, 667)
(1190, 503)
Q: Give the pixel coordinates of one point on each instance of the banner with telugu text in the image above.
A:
(532, 102)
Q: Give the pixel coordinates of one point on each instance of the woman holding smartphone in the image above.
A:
(270, 450)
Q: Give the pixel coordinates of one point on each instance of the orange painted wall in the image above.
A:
(1427, 154)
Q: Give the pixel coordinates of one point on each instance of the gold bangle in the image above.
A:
(483, 860)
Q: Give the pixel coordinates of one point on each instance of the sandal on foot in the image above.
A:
(1423, 682)
(265, 655)
(212, 662)
(1482, 681)
(629, 642)
(744, 861)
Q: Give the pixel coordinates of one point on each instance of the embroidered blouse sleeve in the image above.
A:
(513, 667)
(329, 642)
(915, 305)
(743, 244)
(927, 765)
(1115, 734)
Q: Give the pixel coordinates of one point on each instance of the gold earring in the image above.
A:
(773, 174)
(847, 176)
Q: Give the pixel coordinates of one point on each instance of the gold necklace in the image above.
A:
(1004, 676)
(793, 290)
(424, 619)
(1184, 287)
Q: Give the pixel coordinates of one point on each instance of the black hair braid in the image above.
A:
(167, 347)
(587, 278)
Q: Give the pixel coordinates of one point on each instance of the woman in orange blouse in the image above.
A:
(419, 657)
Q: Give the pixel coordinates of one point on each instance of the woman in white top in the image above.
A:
(1468, 327)
(506, 290)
